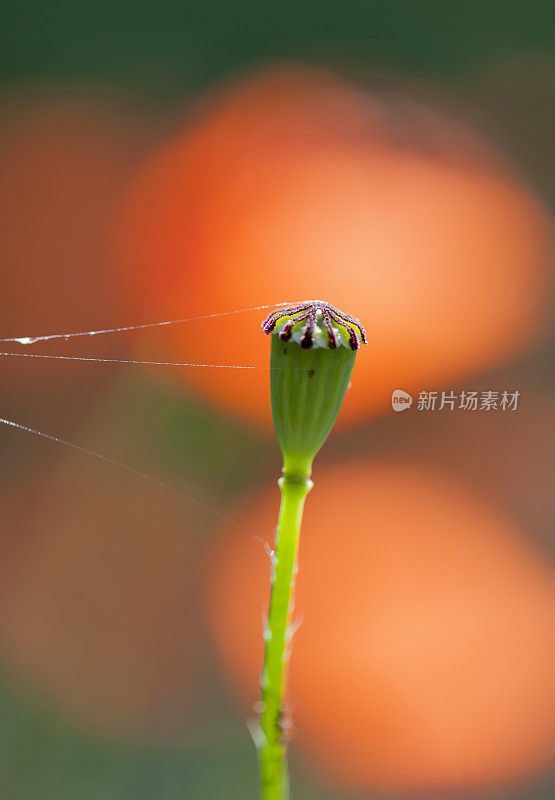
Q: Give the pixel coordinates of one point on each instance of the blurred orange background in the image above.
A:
(300, 185)
(176, 171)
(422, 659)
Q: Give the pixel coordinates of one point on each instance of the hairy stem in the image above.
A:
(310, 367)
(294, 485)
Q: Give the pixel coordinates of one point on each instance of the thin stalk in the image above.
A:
(312, 358)
(272, 749)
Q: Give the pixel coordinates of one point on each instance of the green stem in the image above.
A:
(294, 485)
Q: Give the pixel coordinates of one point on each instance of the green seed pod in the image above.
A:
(312, 358)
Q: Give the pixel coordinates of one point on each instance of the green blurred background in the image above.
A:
(496, 57)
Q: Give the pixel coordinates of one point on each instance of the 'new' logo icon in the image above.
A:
(400, 400)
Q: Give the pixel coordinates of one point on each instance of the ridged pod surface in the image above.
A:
(312, 358)
(307, 390)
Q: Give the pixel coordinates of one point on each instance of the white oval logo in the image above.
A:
(400, 400)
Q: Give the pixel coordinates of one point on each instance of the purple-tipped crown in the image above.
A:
(317, 315)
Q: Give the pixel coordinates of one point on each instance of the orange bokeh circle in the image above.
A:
(297, 185)
(97, 607)
(423, 660)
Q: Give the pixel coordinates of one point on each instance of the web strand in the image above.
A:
(29, 340)
(131, 361)
(107, 460)
(101, 360)
(33, 339)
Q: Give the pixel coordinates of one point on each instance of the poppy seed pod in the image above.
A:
(313, 354)
(312, 358)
